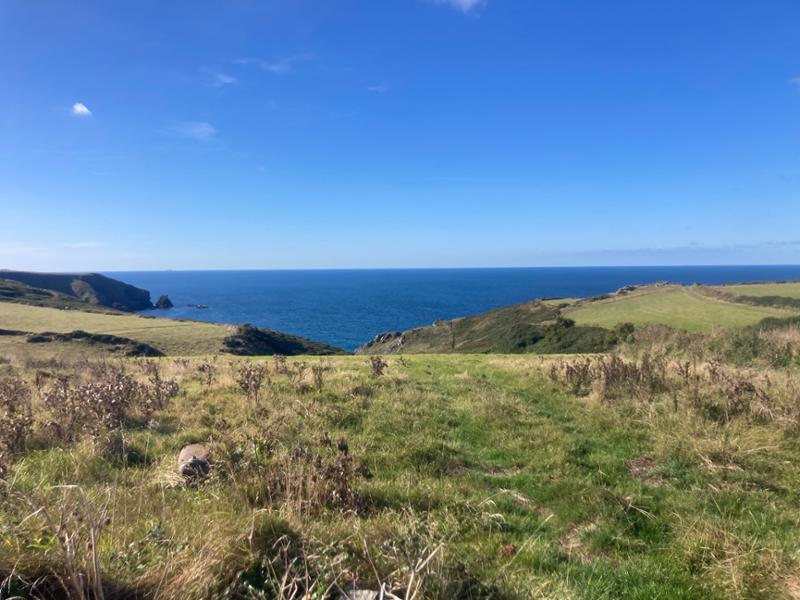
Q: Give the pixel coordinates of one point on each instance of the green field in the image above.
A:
(785, 290)
(518, 488)
(170, 336)
(677, 307)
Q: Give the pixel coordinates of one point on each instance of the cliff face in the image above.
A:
(92, 288)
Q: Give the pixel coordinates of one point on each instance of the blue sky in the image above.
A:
(398, 133)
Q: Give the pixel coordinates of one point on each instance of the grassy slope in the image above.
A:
(488, 332)
(675, 306)
(92, 288)
(511, 329)
(527, 486)
(492, 331)
(15, 291)
(786, 290)
(170, 336)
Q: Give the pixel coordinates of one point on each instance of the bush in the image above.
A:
(16, 416)
(250, 378)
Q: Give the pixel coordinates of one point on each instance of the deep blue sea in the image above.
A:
(348, 307)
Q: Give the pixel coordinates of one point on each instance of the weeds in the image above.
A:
(207, 373)
(308, 480)
(159, 391)
(377, 366)
(290, 509)
(250, 377)
(318, 373)
(76, 524)
(712, 391)
(16, 416)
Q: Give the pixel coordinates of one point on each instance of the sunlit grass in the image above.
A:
(677, 307)
(529, 489)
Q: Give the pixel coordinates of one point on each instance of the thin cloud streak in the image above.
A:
(221, 79)
(379, 88)
(464, 6)
(282, 66)
(196, 130)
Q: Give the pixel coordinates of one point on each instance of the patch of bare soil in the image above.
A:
(572, 541)
(643, 469)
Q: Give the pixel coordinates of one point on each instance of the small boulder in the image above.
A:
(164, 302)
(194, 461)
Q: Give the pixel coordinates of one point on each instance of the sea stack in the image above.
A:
(164, 302)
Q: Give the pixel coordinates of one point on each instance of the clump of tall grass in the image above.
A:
(711, 390)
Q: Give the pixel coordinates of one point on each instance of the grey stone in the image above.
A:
(194, 461)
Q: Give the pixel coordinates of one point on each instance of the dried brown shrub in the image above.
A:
(377, 366)
(250, 377)
(16, 416)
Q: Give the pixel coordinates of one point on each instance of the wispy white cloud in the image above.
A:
(79, 109)
(280, 66)
(464, 6)
(795, 81)
(380, 88)
(221, 79)
(196, 130)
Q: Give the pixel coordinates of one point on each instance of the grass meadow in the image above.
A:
(461, 477)
(785, 290)
(674, 306)
(171, 336)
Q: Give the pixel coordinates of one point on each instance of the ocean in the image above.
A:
(347, 308)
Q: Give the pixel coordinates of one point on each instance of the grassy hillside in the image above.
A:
(458, 477)
(785, 290)
(675, 306)
(172, 337)
(535, 327)
(15, 291)
(530, 327)
(91, 288)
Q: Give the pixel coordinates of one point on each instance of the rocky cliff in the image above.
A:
(91, 288)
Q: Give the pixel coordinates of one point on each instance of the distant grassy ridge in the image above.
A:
(784, 289)
(21, 293)
(675, 306)
(91, 288)
(769, 296)
(169, 336)
(581, 326)
(534, 327)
